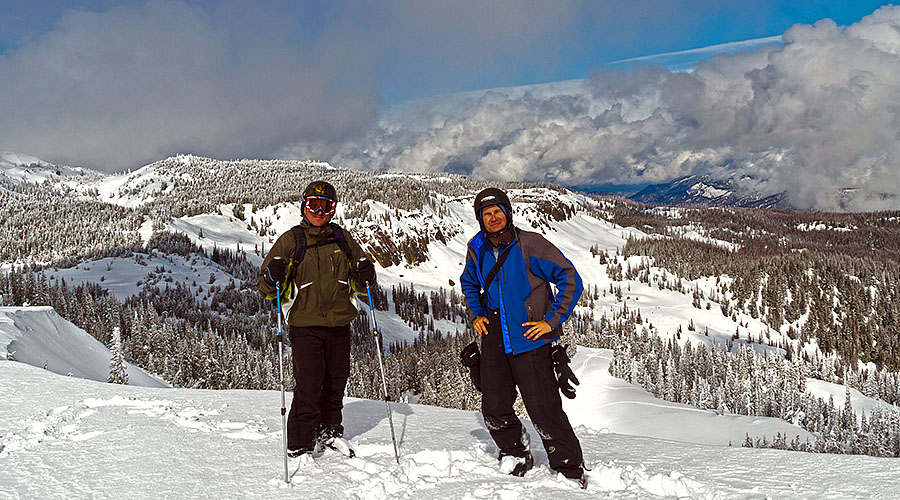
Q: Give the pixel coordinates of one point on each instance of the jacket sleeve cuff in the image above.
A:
(549, 317)
(266, 288)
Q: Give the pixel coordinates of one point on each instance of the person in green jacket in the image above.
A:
(318, 302)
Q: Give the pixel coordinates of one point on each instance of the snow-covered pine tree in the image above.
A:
(117, 373)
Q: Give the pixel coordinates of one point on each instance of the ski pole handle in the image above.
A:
(371, 310)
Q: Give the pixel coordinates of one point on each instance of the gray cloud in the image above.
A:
(818, 118)
(118, 87)
(130, 85)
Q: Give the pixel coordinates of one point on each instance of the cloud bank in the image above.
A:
(137, 83)
(818, 117)
(118, 88)
(123, 86)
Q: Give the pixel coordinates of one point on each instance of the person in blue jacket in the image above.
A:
(518, 318)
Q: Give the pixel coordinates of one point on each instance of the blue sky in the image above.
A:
(421, 48)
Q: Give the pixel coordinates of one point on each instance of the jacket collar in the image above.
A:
(314, 231)
(481, 241)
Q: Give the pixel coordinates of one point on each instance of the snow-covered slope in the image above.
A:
(39, 337)
(62, 437)
(641, 446)
(575, 236)
(125, 277)
(25, 168)
(607, 404)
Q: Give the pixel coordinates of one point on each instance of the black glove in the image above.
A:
(276, 271)
(365, 272)
(563, 372)
(471, 359)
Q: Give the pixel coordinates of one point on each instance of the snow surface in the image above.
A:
(63, 437)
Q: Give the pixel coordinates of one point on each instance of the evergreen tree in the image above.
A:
(117, 372)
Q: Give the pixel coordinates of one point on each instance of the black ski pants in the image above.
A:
(532, 372)
(321, 362)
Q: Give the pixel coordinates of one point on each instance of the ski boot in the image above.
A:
(301, 456)
(332, 437)
(516, 466)
(576, 476)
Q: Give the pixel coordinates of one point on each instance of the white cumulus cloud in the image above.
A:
(818, 118)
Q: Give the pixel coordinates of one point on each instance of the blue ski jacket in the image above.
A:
(521, 289)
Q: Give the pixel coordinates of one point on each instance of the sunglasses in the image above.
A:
(320, 205)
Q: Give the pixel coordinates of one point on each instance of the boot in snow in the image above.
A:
(333, 438)
(301, 456)
(576, 477)
(516, 466)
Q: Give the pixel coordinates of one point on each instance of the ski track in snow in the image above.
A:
(63, 423)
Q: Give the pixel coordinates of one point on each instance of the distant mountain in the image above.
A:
(706, 191)
(24, 168)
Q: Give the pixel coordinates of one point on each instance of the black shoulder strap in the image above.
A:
(341, 239)
(300, 242)
(494, 270)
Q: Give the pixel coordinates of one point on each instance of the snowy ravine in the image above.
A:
(64, 437)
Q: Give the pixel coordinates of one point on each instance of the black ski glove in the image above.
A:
(365, 272)
(276, 271)
(470, 357)
(563, 372)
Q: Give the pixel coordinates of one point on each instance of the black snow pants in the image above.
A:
(321, 362)
(532, 372)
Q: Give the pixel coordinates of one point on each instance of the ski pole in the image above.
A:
(378, 346)
(281, 378)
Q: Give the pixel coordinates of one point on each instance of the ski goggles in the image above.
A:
(320, 205)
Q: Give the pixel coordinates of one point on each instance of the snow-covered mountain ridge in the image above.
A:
(720, 278)
(416, 225)
(39, 337)
(24, 168)
(704, 190)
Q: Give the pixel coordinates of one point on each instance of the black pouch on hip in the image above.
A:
(470, 357)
